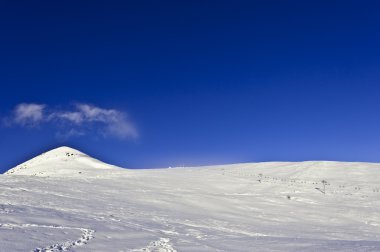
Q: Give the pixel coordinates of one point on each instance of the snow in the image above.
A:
(64, 200)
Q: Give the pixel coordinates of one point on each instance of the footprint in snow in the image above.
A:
(87, 234)
(161, 245)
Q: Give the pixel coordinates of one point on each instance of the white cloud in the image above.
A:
(74, 117)
(122, 129)
(92, 113)
(81, 119)
(116, 122)
(28, 114)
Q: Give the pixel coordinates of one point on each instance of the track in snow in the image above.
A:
(161, 245)
(87, 234)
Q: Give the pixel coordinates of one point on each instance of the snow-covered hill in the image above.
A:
(63, 161)
(65, 200)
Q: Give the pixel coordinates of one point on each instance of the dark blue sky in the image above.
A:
(204, 82)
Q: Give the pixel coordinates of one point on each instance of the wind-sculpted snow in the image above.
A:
(92, 206)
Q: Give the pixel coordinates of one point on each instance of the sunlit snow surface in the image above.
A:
(64, 200)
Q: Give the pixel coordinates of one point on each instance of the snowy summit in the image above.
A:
(62, 161)
(64, 200)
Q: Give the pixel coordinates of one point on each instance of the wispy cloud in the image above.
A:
(81, 119)
(71, 116)
(28, 114)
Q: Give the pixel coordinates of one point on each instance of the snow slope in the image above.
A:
(63, 202)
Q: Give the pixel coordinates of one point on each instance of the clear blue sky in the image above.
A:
(202, 82)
